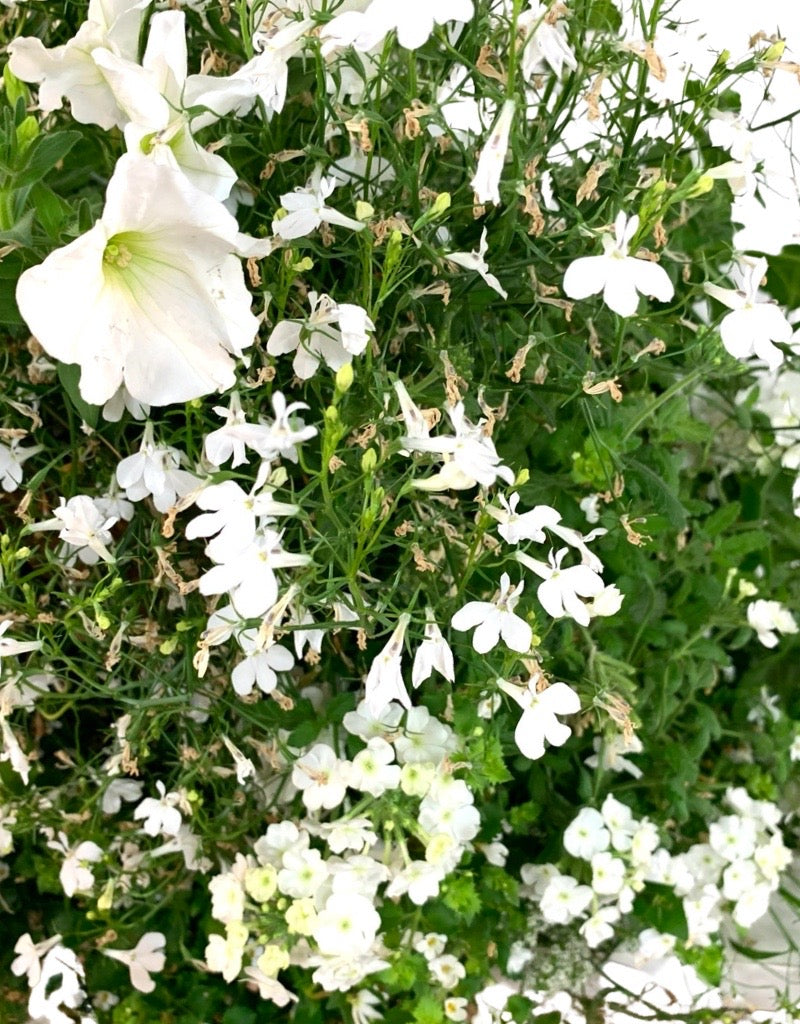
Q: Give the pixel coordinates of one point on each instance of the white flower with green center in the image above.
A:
(617, 275)
(152, 296)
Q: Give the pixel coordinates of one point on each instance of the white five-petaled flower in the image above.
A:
(470, 456)
(11, 459)
(146, 956)
(82, 525)
(496, 619)
(545, 43)
(539, 709)
(154, 470)
(617, 275)
(486, 182)
(70, 70)
(433, 653)
(768, 618)
(315, 339)
(162, 816)
(476, 260)
(752, 326)
(152, 296)
(28, 961)
(562, 589)
(384, 681)
(307, 209)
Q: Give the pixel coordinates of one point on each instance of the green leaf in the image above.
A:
(51, 210)
(14, 88)
(462, 897)
(658, 491)
(69, 374)
(783, 277)
(428, 1010)
(757, 954)
(732, 550)
(721, 519)
(239, 1015)
(43, 155)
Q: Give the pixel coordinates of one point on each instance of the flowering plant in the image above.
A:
(398, 599)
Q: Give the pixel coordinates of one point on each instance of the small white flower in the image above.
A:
(146, 956)
(752, 326)
(561, 592)
(540, 708)
(616, 274)
(384, 681)
(486, 182)
(346, 925)
(321, 777)
(433, 653)
(768, 618)
(162, 815)
(447, 970)
(11, 459)
(476, 260)
(492, 620)
(82, 526)
(564, 899)
(307, 210)
(587, 834)
(29, 957)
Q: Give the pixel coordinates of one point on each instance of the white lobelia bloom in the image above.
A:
(29, 957)
(11, 459)
(752, 326)
(470, 457)
(146, 956)
(617, 275)
(476, 260)
(84, 526)
(496, 619)
(9, 647)
(152, 296)
(59, 985)
(562, 589)
(517, 526)
(545, 43)
(768, 619)
(433, 653)
(347, 924)
(70, 70)
(75, 874)
(306, 210)
(162, 815)
(586, 834)
(231, 440)
(384, 681)
(315, 339)
(486, 182)
(539, 709)
(154, 471)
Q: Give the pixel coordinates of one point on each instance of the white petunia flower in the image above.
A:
(539, 709)
(617, 275)
(495, 620)
(153, 296)
(752, 326)
(70, 71)
(146, 956)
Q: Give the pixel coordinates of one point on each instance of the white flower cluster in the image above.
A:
(314, 886)
(735, 871)
(778, 399)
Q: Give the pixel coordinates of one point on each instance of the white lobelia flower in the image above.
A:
(316, 339)
(347, 924)
(564, 899)
(539, 709)
(496, 619)
(586, 834)
(231, 440)
(306, 210)
(59, 985)
(162, 815)
(476, 260)
(146, 956)
(561, 592)
(152, 296)
(9, 647)
(75, 874)
(545, 42)
(470, 456)
(486, 182)
(82, 525)
(70, 70)
(322, 778)
(154, 471)
(11, 459)
(153, 95)
(617, 275)
(517, 526)
(384, 681)
(433, 653)
(768, 619)
(752, 326)
(29, 957)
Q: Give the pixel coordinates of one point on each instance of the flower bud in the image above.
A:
(344, 378)
(369, 461)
